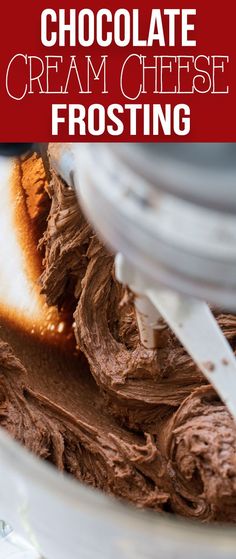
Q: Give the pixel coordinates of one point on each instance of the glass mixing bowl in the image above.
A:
(63, 519)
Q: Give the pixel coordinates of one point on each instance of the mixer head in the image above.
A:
(175, 230)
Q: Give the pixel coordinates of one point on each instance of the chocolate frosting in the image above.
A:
(140, 424)
(55, 409)
(34, 185)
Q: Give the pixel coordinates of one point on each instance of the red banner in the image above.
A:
(144, 72)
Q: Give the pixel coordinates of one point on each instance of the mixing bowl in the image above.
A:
(48, 515)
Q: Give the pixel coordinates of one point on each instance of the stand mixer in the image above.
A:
(175, 245)
(168, 212)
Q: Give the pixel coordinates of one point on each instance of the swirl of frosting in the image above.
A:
(199, 443)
